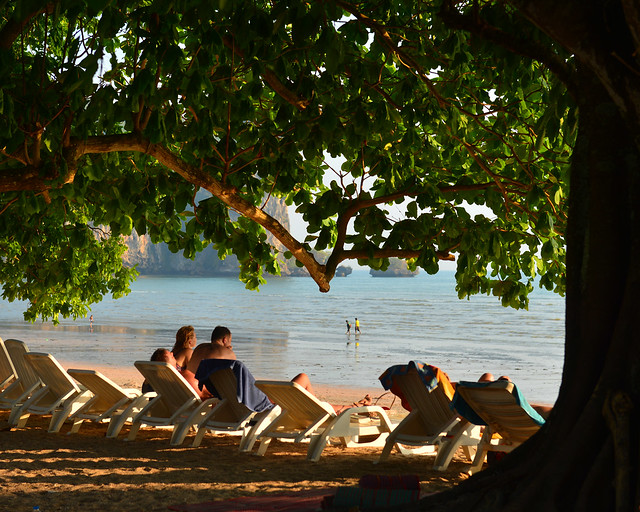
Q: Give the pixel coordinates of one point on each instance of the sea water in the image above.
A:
(289, 326)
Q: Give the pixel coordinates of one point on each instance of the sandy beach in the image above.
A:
(88, 472)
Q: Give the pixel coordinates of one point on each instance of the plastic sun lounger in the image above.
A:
(176, 404)
(59, 397)
(304, 417)
(26, 381)
(7, 371)
(501, 407)
(109, 403)
(431, 422)
(231, 415)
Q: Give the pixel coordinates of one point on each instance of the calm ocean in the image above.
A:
(289, 327)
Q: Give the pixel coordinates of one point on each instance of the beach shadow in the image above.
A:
(89, 472)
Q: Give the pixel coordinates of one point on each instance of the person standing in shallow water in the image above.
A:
(348, 327)
(357, 326)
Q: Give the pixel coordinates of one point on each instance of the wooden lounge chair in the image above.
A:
(60, 396)
(427, 392)
(304, 417)
(26, 382)
(7, 371)
(233, 413)
(176, 405)
(109, 403)
(502, 409)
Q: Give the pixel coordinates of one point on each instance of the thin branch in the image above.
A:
(520, 46)
(404, 58)
(13, 28)
(272, 80)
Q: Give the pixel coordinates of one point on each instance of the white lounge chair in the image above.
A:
(59, 397)
(304, 417)
(235, 413)
(7, 371)
(26, 383)
(109, 403)
(502, 409)
(176, 405)
(427, 391)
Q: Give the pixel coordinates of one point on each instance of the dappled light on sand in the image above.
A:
(86, 471)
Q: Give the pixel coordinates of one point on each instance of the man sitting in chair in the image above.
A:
(221, 348)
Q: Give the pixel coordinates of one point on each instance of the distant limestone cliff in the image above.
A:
(157, 259)
(397, 268)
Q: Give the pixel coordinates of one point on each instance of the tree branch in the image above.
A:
(525, 47)
(13, 27)
(271, 79)
(229, 195)
(404, 58)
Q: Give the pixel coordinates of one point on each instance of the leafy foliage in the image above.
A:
(113, 114)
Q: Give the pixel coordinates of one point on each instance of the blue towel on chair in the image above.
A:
(425, 371)
(460, 405)
(248, 393)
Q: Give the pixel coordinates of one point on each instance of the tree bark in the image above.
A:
(586, 456)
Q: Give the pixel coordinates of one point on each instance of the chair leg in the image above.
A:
(483, 448)
(75, 426)
(264, 444)
(316, 447)
(388, 447)
(134, 431)
(115, 425)
(180, 431)
(263, 420)
(448, 448)
(21, 420)
(57, 420)
(130, 412)
(469, 451)
(16, 412)
(199, 437)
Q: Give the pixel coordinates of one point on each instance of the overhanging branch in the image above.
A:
(226, 193)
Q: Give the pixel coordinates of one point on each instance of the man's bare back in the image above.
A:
(205, 351)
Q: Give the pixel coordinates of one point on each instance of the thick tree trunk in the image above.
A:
(586, 456)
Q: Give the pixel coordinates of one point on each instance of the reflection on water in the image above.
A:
(289, 327)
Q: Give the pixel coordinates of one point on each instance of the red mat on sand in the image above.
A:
(302, 501)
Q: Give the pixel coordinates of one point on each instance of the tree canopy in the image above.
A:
(113, 114)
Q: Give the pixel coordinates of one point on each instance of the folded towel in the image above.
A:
(370, 499)
(406, 482)
(248, 393)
